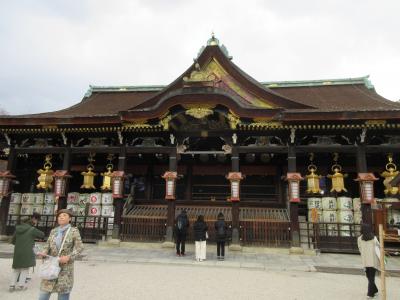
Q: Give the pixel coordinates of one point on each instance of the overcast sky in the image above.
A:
(51, 51)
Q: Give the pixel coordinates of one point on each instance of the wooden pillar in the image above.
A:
(149, 182)
(361, 160)
(5, 202)
(293, 206)
(235, 204)
(119, 202)
(188, 190)
(173, 166)
(62, 201)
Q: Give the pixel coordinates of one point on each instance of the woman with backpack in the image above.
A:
(367, 244)
(200, 235)
(220, 230)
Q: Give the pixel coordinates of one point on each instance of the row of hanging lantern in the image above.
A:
(112, 180)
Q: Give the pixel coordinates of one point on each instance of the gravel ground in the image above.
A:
(116, 280)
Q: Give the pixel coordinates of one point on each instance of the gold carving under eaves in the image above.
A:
(45, 175)
(199, 112)
(136, 124)
(165, 122)
(233, 120)
(390, 173)
(337, 177)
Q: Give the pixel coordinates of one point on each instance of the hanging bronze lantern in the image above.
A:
(46, 174)
(337, 177)
(390, 173)
(88, 177)
(313, 178)
(107, 175)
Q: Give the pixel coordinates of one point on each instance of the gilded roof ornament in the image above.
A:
(198, 75)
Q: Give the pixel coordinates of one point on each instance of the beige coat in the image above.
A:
(368, 254)
(72, 247)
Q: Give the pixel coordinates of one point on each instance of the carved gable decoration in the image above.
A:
(213, 74)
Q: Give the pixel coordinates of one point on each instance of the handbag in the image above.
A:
(206, 235)
(50, 269)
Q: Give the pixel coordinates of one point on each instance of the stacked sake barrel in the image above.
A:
(316, 203)
(329, 216)
(77, 203)
(345, 215)
(357, 216)
(107, 211)
(49, 209)
(15, 208)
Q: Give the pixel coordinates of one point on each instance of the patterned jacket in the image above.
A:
(72, 247)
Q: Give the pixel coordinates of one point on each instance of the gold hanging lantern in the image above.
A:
(46, 174)
(313, 178)
(390, 173)
(337, 177)
(88, 177)
(107, 175)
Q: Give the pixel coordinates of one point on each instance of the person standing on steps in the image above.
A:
(181, 226)
(367, 244)
(220, 233)
(24, 257)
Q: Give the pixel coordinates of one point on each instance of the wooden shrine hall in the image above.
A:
(214, 140)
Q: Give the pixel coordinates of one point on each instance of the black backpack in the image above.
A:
(221, 229)
(181, 223)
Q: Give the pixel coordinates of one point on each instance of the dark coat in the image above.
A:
(200, 229)
(24, 241)
(184, 219)
(220, 225)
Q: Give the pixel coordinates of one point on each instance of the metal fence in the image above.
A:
(90, 228)
(330, 237)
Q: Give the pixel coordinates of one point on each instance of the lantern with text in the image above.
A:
(45, 175)
(366, 181)
(5, 183)
(60, 183)
(117, 183)
(235, 178)
(170, 180)
(294, 186)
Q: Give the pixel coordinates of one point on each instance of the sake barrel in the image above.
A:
(356, 204)
(95, 199)
(14, 209)
(38, 198)
(109, 224)
(91, 222)
(49, 209)
(107, 199)
(37, 208)
(320, 219)
(73, 198)
(49, 198)
(27, 198)
(94, 210)
(331, 230)
(329, 203)
(72, 207)
(329, 216)
(357, 217)
(344, 203)
(314, 202)
(15, 198)
(395, 217)
(107, 210)
(27, 209)
(345, 230)
(80, 210)
(84, 199)
(345, 216)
